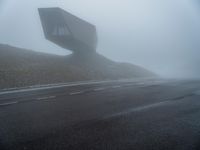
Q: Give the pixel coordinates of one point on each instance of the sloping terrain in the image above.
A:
(20, 67)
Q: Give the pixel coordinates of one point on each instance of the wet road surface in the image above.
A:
(138, 115)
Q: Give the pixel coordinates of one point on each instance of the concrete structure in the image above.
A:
(68, 31)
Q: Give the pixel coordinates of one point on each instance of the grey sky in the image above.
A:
(161, 35)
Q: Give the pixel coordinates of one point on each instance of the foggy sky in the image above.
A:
(163, 36)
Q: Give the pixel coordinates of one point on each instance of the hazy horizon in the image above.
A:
(162, 36)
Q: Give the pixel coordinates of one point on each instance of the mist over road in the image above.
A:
(143, 114)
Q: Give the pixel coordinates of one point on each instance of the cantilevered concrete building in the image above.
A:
(68, 31)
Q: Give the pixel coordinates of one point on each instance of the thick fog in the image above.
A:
(163, 36)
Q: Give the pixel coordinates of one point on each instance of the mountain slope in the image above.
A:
(20, 67)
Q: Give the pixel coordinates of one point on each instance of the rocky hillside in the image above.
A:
(20, 67)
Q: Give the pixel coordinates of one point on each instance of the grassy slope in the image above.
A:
(19, 67)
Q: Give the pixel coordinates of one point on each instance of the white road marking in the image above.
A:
(150, 106)
(116, 86)
(141, 83)
(99, 89)
(53, 86)
(76, 93)
(45, 98)
(11, 103)
(136, 84)
(141, 108)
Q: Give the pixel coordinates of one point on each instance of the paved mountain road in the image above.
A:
(139, 115)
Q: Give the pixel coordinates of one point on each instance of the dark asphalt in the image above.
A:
(129, 115)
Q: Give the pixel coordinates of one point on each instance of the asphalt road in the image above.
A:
(125, 115)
